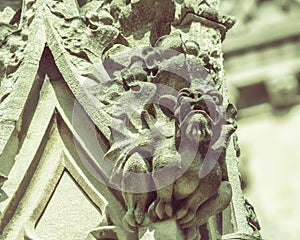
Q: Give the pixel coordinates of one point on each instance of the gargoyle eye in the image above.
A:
(216, 96)
(127, 77)
(139, 75)
(135, 88)
(191, 95)
(216, 99)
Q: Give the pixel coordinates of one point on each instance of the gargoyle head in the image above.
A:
(196, 114)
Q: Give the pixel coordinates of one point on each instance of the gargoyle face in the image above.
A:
(197, 126)
(196, 100)
(141, 68)
(197, 114)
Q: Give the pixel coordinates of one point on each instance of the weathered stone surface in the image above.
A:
(129, 100)
(181, 135)
(160, 231)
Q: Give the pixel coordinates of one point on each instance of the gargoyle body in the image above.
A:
(170, 127)
(168, 141)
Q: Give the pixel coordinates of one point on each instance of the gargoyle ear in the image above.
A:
(167, 104)
(231, 113)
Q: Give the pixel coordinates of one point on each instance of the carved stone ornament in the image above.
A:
(169, 133)
(130, 104)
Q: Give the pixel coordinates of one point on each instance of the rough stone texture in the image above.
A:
(128, 99)
(161, 230)
(262, 67)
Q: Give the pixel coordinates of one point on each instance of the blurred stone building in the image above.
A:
(262, 63)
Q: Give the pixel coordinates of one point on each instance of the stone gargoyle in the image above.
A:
(169, 133)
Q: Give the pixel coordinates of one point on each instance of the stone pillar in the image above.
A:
(136, 111)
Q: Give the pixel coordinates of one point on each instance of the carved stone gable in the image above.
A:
(115, 123)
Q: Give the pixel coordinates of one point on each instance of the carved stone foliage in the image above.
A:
(14, 36)
(85, 38)
(11, 52)
(100, 29)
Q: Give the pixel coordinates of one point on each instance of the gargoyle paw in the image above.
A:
(133, 218)
(129, 221)
(161, 209)
(185, 215)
